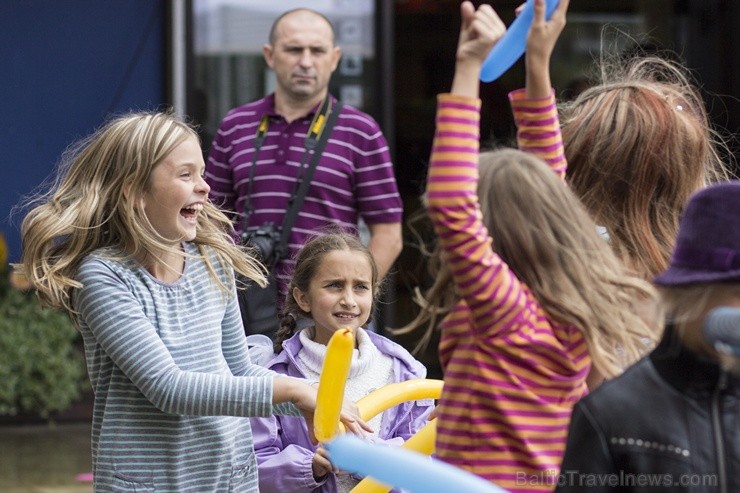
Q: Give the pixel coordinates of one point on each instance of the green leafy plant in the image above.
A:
(41, 368)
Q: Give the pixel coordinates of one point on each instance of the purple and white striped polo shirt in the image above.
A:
(354, 177)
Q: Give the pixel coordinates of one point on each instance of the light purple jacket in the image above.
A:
(281, 443)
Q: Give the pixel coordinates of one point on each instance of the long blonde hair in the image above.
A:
(90, 205)
(638, 144)
(543, 233)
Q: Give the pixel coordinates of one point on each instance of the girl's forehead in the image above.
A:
(186, 153)
(344, 263)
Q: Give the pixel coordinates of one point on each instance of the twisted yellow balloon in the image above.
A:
(332, 381)
(393, 394)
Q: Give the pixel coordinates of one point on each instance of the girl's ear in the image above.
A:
(301, 300)
(127, 189)
(128, 194)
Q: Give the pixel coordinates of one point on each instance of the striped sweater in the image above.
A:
(512, 375)
(172, 378)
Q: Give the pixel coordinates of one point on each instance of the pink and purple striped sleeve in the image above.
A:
(538, 129)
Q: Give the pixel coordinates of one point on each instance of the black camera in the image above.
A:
(266, 240)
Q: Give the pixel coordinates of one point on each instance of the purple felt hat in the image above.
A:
(708, 244)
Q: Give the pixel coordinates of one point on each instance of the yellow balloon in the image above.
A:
(331, 384)
(393, 394)
(422, 442)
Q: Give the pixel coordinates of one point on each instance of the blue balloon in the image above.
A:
(511, 46)
(403, 468)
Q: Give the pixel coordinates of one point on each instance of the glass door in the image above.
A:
(227, 64)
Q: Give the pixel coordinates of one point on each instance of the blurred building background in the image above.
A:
(68, 65)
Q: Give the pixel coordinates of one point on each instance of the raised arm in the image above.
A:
(535, 112)
(541, 39)
(491, 291)
(480, 30)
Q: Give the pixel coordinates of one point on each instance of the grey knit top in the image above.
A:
(172, 378)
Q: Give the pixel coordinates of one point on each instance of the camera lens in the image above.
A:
(265, 240)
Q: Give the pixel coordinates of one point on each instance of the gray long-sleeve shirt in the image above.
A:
(172, 378)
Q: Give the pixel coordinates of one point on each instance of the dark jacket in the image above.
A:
(669, 423)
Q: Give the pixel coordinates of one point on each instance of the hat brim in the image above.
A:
(676, 276)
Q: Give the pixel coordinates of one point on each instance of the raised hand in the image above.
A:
(541, 39)
(479, 31)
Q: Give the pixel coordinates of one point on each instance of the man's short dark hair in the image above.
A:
(288, 12)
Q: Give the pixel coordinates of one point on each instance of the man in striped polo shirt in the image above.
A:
(354, 178)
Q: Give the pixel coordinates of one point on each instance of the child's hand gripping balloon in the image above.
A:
(512, 45)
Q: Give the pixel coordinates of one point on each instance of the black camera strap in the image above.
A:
(259, 139)
(316, 139)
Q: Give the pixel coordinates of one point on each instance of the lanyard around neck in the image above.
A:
(312, 138)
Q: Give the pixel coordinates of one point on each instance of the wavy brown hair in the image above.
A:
(638, 144)
(87, 207)
(543, 233)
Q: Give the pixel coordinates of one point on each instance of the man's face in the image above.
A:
(303, 56)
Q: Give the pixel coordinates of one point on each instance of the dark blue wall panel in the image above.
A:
(65, 66)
